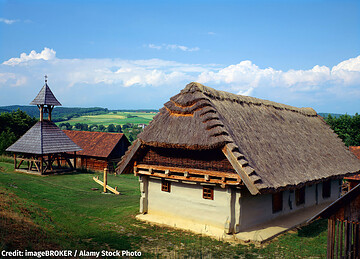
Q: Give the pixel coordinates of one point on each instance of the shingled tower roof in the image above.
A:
(44, 138)
(45, 97)
(276, 146)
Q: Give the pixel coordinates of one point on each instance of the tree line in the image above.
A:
(346, 127)
(12, 126)
(130, 130)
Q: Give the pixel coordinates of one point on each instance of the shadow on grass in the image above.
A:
(314, 229)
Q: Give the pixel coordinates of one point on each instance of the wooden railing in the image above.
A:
(189, 174)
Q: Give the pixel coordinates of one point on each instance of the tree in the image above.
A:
(118, 129)
(12, 126)
(346, 127)
(101, 127)
(111, 128)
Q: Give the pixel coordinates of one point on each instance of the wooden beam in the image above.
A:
(188, 171)
(41, 165)
(195, 179)
(238, 168)
(105, 178)
(75, 160)
(115, 191)
(134, 147)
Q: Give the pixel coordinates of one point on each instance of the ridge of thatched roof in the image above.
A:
(221, 95)
(273, 145)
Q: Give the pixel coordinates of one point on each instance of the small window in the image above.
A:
(165, 186)
(326, 189)
(300, 196)
(277, 202)
(208, 193)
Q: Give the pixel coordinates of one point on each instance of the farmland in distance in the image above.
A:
(116, 118)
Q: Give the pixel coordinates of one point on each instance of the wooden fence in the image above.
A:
(343, 239)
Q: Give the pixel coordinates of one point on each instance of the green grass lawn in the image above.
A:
(62, 211)
(120, 118)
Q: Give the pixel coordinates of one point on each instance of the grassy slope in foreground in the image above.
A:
(65, 213)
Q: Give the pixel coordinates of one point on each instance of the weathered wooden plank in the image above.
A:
(328, 251)
(178, 177)
(333, 236)
(135, 146)
(239, 169)
(337, 238)
(189, 171)
(341, 238)
(105, 179)
(346, 239)
(14, 160)
(115, 191)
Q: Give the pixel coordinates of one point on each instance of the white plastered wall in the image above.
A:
(258, 209)
(184, 205)
(232, 210)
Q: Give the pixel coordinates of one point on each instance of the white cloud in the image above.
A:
(8, 21)
(173, 47)
(12, 79)
(46, 54)
(244, 78)
(211, 33)
(153, 46)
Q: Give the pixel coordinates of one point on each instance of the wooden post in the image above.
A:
(14, 160)
(41, 108)
(50, 108)
(75, 160)
(105, 178)
(41, 165)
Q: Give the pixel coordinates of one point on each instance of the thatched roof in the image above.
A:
(98, 144)
(278, 146)
(45, 97)
(43, 138)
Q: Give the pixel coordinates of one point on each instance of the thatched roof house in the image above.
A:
(99, 149)
(261, 147)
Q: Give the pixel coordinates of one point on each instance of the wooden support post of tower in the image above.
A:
(105, 178)
(41, 165)
(14, 160)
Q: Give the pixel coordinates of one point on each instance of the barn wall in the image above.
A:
(92, 163)
(185, 201)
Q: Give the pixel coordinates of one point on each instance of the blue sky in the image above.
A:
(137, 54)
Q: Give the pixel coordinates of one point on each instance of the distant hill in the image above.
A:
(59, 113)
(138, 110)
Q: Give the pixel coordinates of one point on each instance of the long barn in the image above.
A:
(99, 149)
(216, 162)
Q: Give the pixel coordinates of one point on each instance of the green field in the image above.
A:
(62, 212)
(120, 118)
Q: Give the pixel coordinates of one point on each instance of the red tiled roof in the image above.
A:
(355, 150)
(98, 144)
